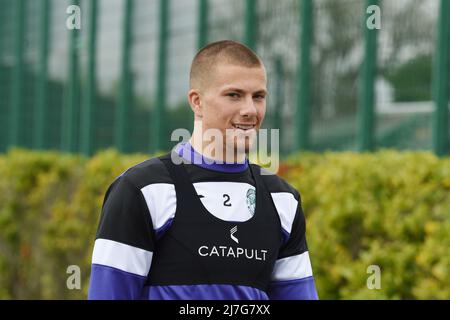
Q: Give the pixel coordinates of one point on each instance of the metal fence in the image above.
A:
(121, 80)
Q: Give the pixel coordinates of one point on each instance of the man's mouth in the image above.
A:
(244, 126)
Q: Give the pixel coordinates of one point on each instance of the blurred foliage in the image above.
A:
(49, 210)
(390, 209)
(402, 81)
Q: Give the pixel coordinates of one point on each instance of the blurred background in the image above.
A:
(340, 92)
(121, 80)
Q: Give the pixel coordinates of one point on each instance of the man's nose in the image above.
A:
(249, 108)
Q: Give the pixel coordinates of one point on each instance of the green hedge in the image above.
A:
(390, 209)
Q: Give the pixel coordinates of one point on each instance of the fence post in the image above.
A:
(124, 105)
(89, 106)
(279, 99)
(251, 22)
(71, 95)
(40, 133)
(3, 103)
(440, 81)
(303, 112)
(366, 116)
(202, 32)
(160, 103)
(16, 111)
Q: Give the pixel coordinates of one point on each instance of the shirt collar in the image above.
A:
(187, 152)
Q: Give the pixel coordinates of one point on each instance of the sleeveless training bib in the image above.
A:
(200, 248)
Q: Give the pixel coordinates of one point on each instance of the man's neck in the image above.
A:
(216, 151)
(189, 153)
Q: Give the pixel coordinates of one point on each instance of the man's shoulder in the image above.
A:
(275, 183)
(148, 172)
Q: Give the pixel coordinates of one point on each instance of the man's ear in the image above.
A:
(195, 101)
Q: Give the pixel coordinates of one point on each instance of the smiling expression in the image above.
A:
(233, 101)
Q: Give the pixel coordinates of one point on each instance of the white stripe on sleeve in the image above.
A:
(122, 256)
(161, 201)
(286, 206)
(291, 268)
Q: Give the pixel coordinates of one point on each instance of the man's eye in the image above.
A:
(260, 97)
(233, 95)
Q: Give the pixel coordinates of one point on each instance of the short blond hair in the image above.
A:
(225, 51)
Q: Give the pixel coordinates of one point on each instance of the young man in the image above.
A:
(213, 227)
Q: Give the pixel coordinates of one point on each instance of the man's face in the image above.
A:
(234, 102)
